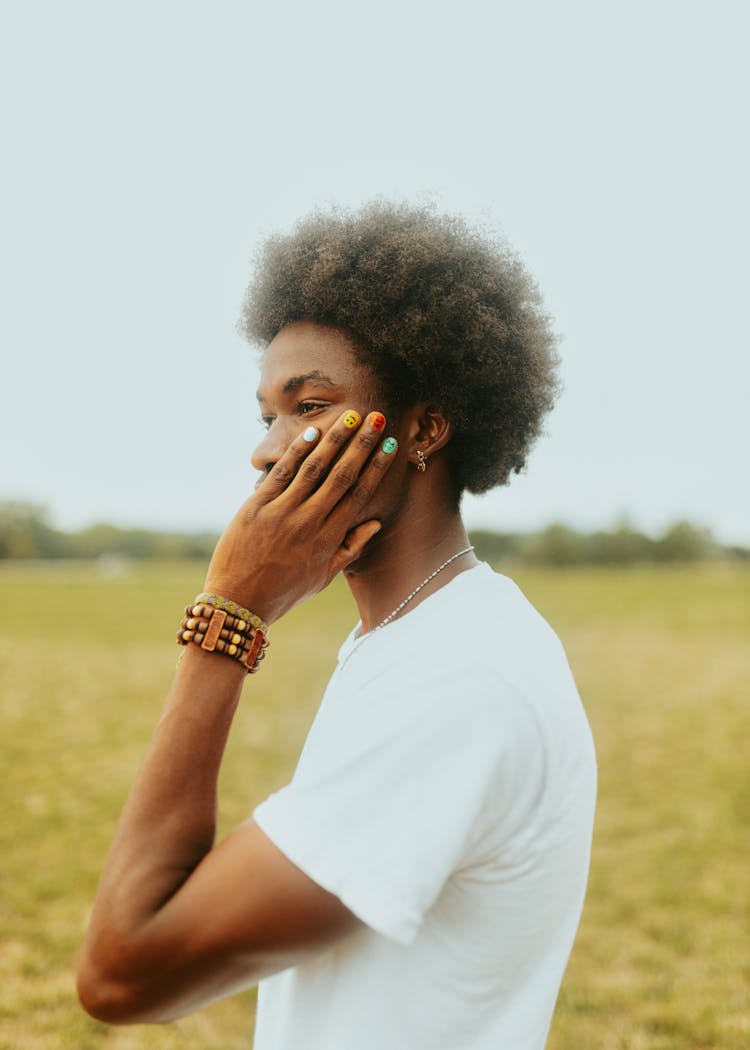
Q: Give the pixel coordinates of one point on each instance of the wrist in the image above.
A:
(224, 674)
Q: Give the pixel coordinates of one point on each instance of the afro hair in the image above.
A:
(440, 312)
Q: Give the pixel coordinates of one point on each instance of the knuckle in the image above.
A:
(300, 532)
(311, 470)
(281, 472)
(368, 440)
(343, 477)
(361, 493)
(338, 438)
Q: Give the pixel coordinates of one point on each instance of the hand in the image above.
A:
(297, 531)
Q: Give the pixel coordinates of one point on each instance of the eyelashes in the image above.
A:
(304, 408)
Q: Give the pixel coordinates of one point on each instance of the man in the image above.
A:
(419, 882)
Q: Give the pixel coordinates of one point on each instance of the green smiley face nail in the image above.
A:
(389, 446)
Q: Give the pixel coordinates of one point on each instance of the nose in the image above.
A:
(274, 444)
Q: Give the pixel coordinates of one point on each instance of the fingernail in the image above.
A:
(389, 446)
(310, 434)
(351, 419)
(377, 421)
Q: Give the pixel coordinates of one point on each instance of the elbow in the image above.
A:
(106, 996)
(101, 997)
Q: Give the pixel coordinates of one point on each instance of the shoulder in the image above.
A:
(479, 631)
(474, 665)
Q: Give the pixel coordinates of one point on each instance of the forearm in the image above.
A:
(177, 922)
(169, 821)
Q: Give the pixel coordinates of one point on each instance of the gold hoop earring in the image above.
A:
(421, 461)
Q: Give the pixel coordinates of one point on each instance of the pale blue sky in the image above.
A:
(149, 147)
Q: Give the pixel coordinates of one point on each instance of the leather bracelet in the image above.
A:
(227, 605)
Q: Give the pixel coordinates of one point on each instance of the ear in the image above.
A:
(427, 430)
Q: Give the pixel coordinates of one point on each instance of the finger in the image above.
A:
(336, 479)
(327, 459)
(284, 470)
(360, 494)
(354, 543)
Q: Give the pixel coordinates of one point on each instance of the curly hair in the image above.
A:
(440, 312)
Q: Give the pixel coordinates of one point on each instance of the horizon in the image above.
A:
(620, 522)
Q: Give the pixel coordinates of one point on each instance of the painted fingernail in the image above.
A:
(389, 446)
(351, 419)
(310, 434)
(377, 421)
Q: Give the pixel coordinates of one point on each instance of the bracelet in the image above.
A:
(229, 606)
(216, 630)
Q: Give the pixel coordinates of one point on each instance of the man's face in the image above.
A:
(309, 377)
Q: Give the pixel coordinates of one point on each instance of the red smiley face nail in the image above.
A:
(377, 421)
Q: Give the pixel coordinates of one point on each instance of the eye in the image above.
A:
(305, 407)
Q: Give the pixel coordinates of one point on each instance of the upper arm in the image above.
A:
(245, 912)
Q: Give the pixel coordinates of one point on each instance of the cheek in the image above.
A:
(389, 499)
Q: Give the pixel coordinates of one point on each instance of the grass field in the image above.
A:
(662, 658)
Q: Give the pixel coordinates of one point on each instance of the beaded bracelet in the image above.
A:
(215, 630)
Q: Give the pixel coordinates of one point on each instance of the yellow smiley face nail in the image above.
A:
(351, 419)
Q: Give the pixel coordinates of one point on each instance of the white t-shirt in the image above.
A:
(445, 794)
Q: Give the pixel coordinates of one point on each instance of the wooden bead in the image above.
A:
(214, 628)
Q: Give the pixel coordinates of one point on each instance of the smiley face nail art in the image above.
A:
(351, 419)
(377, 421)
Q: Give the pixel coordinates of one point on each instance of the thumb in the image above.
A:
(354, 543)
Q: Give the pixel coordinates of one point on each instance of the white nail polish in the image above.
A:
(310, 434)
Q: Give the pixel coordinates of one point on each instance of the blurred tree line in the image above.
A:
(25, 532)
(623, 545)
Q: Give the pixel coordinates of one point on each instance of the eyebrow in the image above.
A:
(296, 382)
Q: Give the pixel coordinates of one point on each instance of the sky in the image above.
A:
(149, 148)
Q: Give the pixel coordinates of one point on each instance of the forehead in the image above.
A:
(305, 353)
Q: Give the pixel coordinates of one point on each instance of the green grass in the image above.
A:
(662, 960)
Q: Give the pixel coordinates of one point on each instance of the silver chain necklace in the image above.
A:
(416, 590)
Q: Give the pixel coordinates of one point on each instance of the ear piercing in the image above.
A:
(421, 461)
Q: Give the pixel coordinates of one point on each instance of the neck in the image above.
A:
(401, 557)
